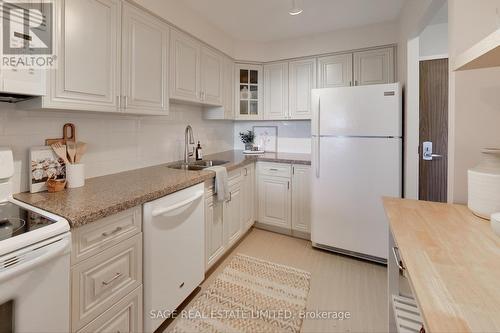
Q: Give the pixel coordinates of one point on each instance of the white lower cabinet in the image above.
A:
(106, 274)
(215, 242)
(124, 316)
(284, 197)
(233, 213)
(301, 198)
(226, 222)
(274, 201)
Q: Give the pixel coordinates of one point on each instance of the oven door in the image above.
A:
(34, 287)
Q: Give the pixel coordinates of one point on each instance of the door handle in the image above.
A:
(161, 211)
(436, 156)
(427, 154)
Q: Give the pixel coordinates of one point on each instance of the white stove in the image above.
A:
(34, 263)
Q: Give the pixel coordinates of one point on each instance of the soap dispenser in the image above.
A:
(199, 153)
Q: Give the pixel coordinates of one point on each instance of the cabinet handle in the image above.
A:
(293, 170)
(117, 275)
(355, 82)
(288, 184)
(273, 169)
(107, 234)
(395, 252)
(118, 101)
(125, 101)
(246, 172)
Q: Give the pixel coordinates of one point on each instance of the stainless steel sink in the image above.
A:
(197, 165)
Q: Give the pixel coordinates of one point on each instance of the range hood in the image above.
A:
(14, 98)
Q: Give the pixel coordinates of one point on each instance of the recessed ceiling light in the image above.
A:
(296, 8)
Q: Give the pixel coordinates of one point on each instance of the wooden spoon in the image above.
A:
(81, 149)
(60, 151)
(71, 148)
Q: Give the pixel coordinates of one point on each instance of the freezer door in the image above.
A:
(349, 179)
(358, 111)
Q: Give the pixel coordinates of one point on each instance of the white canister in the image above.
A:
(484, 184)
(75, 175)
(495, 223)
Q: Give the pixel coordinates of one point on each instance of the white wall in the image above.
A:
(334, 41)
(177, 13)
(414, 17)
(474, 95)
(293, 136)
(434, 41)
(116, 142)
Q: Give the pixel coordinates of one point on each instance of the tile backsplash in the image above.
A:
(115, 142)
(293, 136)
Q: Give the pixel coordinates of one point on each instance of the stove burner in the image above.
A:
(9, 226)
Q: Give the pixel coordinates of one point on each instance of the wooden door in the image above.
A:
(374, 67)
(184, 67)
(433, 170)
(211, 77)
(335, 71)
(302, 79)
(88, 40)
(145, 62)
(274, 201)
(276, 91)
(301, 198)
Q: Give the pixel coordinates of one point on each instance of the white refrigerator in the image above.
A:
(356, 160)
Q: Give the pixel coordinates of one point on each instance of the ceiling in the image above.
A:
(268, 20)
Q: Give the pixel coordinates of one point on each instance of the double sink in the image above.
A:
(197, 165)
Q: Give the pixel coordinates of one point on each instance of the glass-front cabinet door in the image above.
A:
(249, 92)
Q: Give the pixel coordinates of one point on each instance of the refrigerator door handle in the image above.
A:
(318, 137)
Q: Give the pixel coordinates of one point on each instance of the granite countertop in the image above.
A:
(107, 195)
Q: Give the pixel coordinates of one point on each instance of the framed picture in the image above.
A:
(266, 137)
(45, 164)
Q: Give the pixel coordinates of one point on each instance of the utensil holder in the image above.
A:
(75, 175)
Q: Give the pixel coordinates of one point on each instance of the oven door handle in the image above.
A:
(35, 258)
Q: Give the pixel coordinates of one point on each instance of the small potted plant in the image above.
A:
(247, 138)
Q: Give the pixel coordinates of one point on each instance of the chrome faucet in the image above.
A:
(188, 135)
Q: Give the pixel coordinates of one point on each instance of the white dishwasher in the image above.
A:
(174, 237)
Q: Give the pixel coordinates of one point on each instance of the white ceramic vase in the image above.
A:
(75, 175)
(484, 184)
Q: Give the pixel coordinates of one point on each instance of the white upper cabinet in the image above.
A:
(335, 71)
(374, 66)
(212, 65)
(228, 88)
(184, 67)
(302, 79)
(276, 91)
(144, 62)
(249, 94)
(88, 70)
(196, 72)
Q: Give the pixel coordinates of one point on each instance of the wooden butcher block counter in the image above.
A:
(452, 261)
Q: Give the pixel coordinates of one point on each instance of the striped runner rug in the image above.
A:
(249, 295)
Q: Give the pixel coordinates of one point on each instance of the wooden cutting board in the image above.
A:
(69, 134)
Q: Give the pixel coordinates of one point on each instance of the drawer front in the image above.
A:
(124, 316)
(274, 169)
(95, 237)
(234, 176)
(100, 281)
